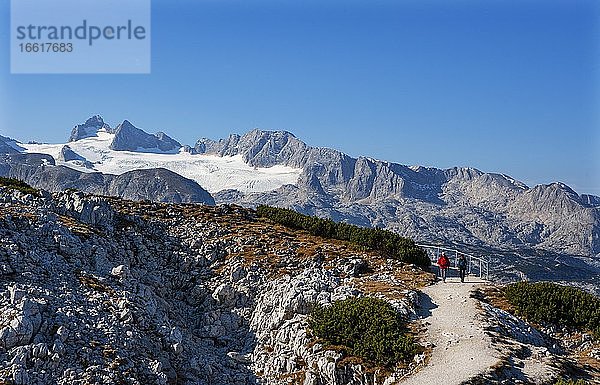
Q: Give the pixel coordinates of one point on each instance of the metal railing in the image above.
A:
(477, 265)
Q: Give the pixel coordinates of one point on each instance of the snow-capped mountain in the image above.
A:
(130, 138)
(544, 231)
(96, 147)
(89, 128)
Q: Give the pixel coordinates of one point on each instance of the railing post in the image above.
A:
(455, 259)
(484, 261)
(470, 263)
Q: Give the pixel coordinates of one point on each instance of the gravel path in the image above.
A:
(461, 348)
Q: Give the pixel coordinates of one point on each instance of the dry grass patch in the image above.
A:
(76, 227)
(95, 284)
(494, 295)
(294, 378)
(389, 290)
(18, 212)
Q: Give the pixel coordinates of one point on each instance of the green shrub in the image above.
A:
(19, 185)
(365, 327)
(570, 382)
(385, 241)
(545, 302)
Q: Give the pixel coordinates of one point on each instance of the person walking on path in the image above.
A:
(462, 267)
(443, 263)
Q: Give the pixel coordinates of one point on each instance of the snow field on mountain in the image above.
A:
(212, 172)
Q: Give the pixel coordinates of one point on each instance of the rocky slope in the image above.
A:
(9, 146)
(98, 290)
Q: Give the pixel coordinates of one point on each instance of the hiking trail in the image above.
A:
(461, 348)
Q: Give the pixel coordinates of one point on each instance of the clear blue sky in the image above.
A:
(503, 86)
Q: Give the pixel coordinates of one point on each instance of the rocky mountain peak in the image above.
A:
(563, 187)
(259, 148)
(268, 148)
(95, 120)
(269, 134)
(555, 190)
(90, 128)
(126, 124)
(130, 138)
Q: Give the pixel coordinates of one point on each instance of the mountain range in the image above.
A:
(541, 232)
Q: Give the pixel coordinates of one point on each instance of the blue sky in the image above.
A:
(503, 86)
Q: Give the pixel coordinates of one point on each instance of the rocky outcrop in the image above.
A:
(101, 290)
(90, 210)
(130, 138)
(67, 154)
(527, 355)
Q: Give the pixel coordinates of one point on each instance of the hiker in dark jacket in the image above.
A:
(443, 263)
(461, 263)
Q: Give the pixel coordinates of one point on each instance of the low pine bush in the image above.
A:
(385, 241)
(545, 302)
(19, 185)
(570, 382)
(365, 327)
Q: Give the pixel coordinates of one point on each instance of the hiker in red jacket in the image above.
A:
(443, 263)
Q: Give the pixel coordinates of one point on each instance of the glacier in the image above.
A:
(212, 172)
